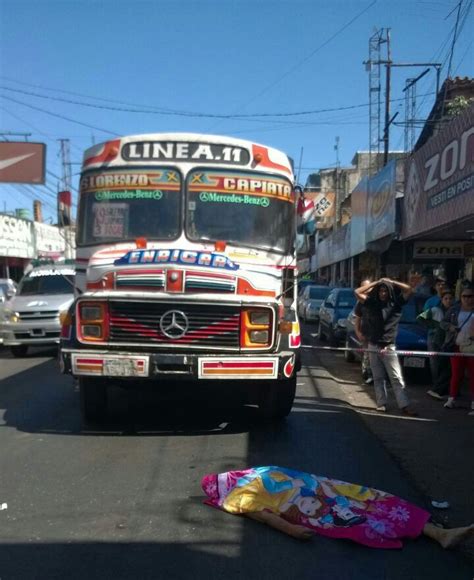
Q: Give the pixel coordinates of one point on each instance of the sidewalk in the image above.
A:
(435, 450)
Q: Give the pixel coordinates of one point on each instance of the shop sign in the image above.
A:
(22, 162)
(16, 237)
(49, 239)
(444, 250)
(359, 217)
(381, 203)
(440, 178)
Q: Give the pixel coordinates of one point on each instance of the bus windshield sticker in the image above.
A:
(107, 195)
(110, 220)
(197, 152)
(239, 188)
(174, 256)
(132, 181)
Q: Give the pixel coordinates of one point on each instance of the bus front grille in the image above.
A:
(186, 325)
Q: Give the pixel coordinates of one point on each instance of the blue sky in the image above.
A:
(216, 57)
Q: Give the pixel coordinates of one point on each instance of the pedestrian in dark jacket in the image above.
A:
(382, 303)
(440, 366)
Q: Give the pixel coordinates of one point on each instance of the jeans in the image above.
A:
(385, 361)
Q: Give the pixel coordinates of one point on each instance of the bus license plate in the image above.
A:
(124, 367)
(414, 362)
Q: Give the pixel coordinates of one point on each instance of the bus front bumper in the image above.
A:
(153, 366)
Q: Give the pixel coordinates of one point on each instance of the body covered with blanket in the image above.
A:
(326, 506)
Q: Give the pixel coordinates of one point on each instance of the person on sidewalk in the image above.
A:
(425, 287)
(440, 366)
(440, 287)
(382, 303)
(303, 505)
(459, 323)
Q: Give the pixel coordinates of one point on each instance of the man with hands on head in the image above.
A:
(381, 308)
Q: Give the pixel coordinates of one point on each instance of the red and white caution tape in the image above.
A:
(388, 352)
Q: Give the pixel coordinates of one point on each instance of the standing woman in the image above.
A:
(440, 366)
(382, 303)
(460, 321)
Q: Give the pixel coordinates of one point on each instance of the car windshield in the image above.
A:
(318, 293)
(249, 209)
(36, 283)
(129, 204)
(346, 299)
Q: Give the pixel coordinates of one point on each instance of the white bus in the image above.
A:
(185, 269)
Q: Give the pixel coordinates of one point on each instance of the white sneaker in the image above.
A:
(450, 403)
(382, 409)
(434, 394)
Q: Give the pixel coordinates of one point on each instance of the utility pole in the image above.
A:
(299, 166)
(386, 135)
(66, 186)
(380, 37)
(410, 110)
(66, 181)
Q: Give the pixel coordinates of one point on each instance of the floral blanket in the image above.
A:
(329, 507)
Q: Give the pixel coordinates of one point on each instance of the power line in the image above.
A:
(60, 116)
(187, 114)
(310, 55)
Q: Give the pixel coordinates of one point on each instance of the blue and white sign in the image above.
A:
(184, 257)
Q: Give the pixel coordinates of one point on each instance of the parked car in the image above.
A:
(411, 335)
(31, 316)
(310, 300)
(333, 314)
(302, 284)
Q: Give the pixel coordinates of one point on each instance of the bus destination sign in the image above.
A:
(196, 152)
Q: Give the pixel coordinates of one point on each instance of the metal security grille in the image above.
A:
(208, 325)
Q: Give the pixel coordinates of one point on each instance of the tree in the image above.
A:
(457, 105)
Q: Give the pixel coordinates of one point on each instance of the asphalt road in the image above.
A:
(125, 501)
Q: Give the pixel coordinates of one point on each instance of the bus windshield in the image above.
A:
(250, 209)
(119, 205)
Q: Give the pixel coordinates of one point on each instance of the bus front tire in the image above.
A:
(93, 396)
(276, 398)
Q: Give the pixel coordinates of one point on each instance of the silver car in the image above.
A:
(31, 317)
(310, 302)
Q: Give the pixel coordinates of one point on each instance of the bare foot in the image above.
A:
(452, 537)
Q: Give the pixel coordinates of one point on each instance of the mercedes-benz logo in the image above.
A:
(174, 324)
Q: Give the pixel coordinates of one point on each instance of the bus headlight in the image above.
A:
(256, 327)
(92, 321)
